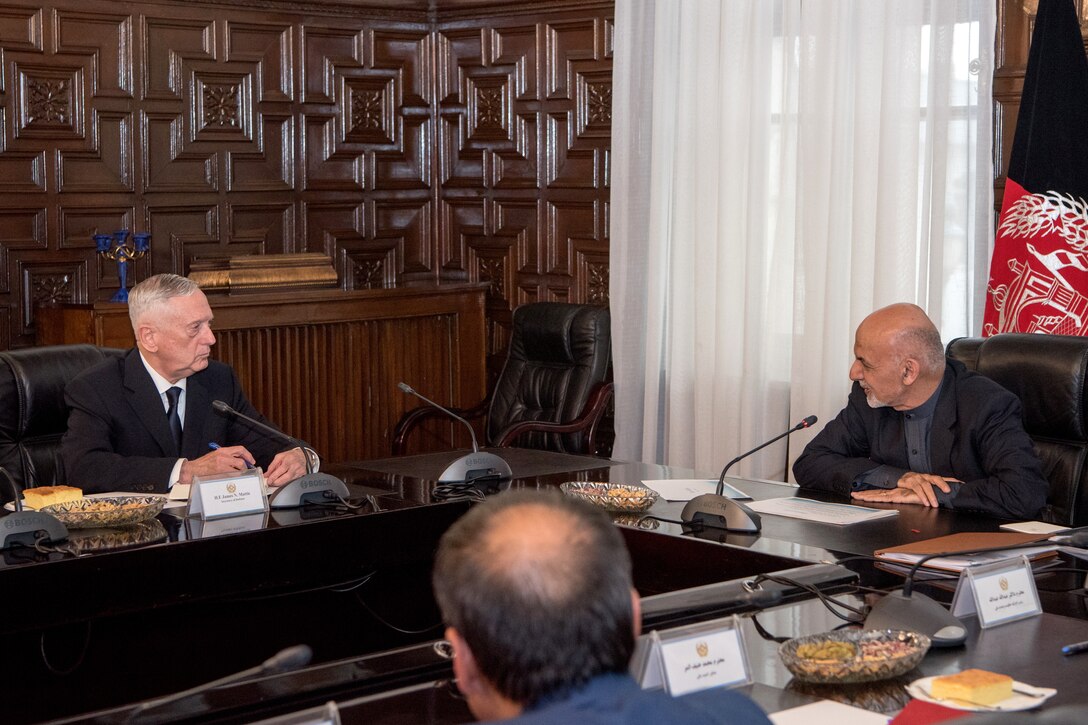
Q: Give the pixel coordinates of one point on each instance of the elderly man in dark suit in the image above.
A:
(535, 589)
(144, 422)
(922, 429)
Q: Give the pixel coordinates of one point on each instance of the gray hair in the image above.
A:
(924, 344)
(155, 290)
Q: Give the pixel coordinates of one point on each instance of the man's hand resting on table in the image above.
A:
(915, 488)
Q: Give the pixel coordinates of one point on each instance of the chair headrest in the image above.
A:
(32, 382)
(554, 332)
(1047, 373)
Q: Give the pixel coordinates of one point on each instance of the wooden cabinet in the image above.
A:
(324, 364)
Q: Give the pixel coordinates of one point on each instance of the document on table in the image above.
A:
(685, 489)
(827, 711)
(966, 548)
(840, 514)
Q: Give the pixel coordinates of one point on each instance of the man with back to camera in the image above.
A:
(922, 429)
(535, 589)
(120, 435)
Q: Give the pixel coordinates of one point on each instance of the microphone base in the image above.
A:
(476, 465)
(917, 613)
(25, 528)
(720, 512)
(313, 488)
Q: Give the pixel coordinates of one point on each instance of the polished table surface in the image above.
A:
(1000, 648)
(356, 586)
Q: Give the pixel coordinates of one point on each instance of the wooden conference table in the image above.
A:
(88, 634)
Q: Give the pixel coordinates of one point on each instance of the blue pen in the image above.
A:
(215, 447)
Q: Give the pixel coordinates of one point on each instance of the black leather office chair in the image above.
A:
(1048, 374)
(553, 389)
(33, 416)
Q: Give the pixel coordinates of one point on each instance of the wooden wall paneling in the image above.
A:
(226, 129)
(524, 109)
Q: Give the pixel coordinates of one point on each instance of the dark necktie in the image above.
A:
(172, 396)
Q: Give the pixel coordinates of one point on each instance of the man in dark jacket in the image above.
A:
(145, 422)
(922, 429)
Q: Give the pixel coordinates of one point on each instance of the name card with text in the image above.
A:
(692, 658)
(998, 593)
(230, 494)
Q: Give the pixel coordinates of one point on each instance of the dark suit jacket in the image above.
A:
(617, 699)
(118, 438)
(977, 437)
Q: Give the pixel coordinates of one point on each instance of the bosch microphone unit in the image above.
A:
(311, 488)
(714, 509)
(474, 466)
(26, 528)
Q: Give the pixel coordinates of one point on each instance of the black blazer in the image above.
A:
(977, 437)
(118, 438)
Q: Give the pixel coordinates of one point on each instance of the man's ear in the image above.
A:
(145, 335)
(468, 676)
(636, 612)
(911, 370)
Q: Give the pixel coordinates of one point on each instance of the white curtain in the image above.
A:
(780, 169)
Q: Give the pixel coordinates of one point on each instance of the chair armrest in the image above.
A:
(586, 422)
(415, 417)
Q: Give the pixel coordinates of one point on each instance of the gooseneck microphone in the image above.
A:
(286, 660)
(806, 423)
(310, 488)
(476, 465)
(27, 528)
(714, 509)
(405, 387)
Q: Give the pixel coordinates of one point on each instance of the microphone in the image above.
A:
(286, 660)
(310, 488)
(906, 609)
(27, 528)
(476, 465)
(806, 423)
(714, 509)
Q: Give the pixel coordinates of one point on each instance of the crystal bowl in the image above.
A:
(611, 496)
(853, 655)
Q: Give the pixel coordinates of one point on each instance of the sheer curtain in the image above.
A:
(780, 169)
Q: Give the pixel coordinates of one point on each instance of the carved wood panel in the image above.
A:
(410, 141)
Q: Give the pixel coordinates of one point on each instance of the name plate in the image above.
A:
(692, 658)
(229, 494)
(998, 593)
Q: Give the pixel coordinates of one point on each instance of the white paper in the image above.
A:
(1034, 527)
(685, 489)
(819, 511)
(960, 562)
(827, 712)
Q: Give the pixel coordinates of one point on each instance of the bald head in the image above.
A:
(539, 586)
(898, 357)
(533, 547)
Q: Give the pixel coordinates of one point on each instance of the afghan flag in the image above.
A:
(1039, 270)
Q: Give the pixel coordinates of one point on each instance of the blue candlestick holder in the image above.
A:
(119, 249)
